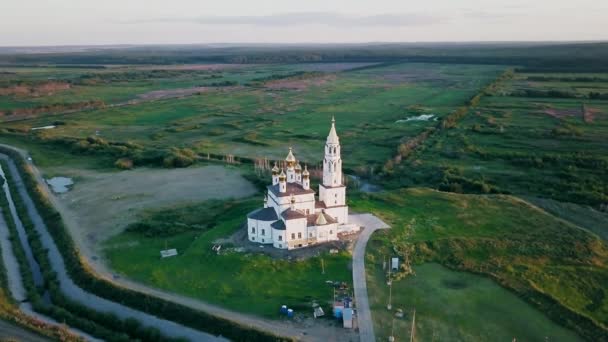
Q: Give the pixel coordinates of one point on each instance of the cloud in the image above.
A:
(311, 18)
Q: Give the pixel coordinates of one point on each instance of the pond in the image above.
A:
(60, 185)
(458, 306)
(362, 184)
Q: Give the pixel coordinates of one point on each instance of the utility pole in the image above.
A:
(322, 267)
(392, 337)
(412, 334)
(390, 296)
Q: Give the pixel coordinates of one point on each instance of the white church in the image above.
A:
(292, 217)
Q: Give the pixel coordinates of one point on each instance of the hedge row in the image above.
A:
(82, 276)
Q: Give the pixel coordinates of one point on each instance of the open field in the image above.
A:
(549, 143)
(524, 249)
(456, 306)
(245, 282)
(102, 204)
(261, 118)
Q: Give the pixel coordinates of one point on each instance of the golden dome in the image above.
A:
(290, 157)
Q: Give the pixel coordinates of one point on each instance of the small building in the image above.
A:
(347, 318)
(395, 264)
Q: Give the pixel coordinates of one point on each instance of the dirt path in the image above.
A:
(364, 316)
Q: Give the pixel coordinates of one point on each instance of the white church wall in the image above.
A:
(338, 213)
(296, 233)
(278, 238)
(332, 196)
(259, 231)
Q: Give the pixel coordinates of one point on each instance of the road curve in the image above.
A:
(76, 293)
(364, 317)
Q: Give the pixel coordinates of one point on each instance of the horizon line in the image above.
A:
(305, 43)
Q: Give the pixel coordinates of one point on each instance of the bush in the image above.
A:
(124, 163)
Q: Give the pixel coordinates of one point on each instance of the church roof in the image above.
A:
(320, 219)
(278, 225)
(290, 157)
(332, 138)
(264, 214)
(292, 189)
(291, 214)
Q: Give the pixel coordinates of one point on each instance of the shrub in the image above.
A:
(124, 163)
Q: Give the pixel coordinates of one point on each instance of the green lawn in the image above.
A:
(521, 247)
(245, 282)
(456, 306)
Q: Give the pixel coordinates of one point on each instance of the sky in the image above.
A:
(92, 22)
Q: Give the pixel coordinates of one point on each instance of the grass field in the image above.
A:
(519, 246)
(262, 119)
(245, 282)
(551, 147)
(456, 306)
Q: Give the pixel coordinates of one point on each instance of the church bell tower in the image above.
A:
(332, 164)
(332, 191)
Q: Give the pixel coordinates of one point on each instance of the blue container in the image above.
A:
(283, 310)
(338, 312)
(290, 313)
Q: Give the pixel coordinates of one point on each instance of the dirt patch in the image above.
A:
(587, 114)
(102, 203)
(170, 93)
(42, 89)
(561, 113)
(194, 67)
(299, 84)
(54, 109)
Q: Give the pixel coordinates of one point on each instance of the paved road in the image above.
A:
(364, 317)
(68, 287)
(10, 332)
